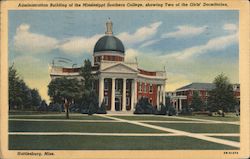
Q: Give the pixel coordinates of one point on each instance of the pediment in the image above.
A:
(119, 68)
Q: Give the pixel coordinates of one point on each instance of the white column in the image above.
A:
(164, 100)
(176, 105)
(135, 94)
(101, 89)
(161, 93)
(180, 104)
(124, 95)
(113, 95)
(132, 94)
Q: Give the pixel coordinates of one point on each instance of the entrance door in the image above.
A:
(118, 103)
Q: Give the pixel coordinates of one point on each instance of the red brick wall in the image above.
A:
(108, 58)
(147, 94)
(149, 73)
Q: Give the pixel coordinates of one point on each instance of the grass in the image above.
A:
(201, 128)
(23, 112)
(72, 117)
(42, 126)
(228, 117)
(19, 142)
(142, 117)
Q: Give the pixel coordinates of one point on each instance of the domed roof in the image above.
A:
(109, 43)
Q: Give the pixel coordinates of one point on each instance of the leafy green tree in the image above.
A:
(36, 98)
(64, 91)
(20, 95)
(87, 75)
(89, 98)
(14, 81)
(222, 97)
(197, 103)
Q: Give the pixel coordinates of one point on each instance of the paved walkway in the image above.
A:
(183, 133)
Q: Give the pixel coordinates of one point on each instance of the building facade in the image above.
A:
(119, 84)
(184, 95)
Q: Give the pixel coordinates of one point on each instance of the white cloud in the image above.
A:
(184, 31)
(141, 34)
(78, 45)
(27, 42)
(215, 44)
(150, 42)
(131, 55)
(230, 27)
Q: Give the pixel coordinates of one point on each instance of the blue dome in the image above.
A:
(109, 43)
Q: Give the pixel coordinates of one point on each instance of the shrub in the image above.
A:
(162, 111)
(186, 110)
(102, 109)
(171, 111)
(143, 107)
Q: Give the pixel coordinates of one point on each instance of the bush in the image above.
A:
(92, 109)
(171, 111)
(186, 110)
(143, 107)
(102, 109)
(56, 107)
(162, 111)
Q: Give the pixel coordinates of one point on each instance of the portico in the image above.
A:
(119, 90)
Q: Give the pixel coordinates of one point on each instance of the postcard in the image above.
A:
(124, 79)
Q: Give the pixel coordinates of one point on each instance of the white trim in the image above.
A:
(115, 134)
(109, 53)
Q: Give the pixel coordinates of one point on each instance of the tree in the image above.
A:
(36, 98)
(20, 95)
(89, 98)
(87, 75)
(197, 103)
(222, 97)
(64, 91)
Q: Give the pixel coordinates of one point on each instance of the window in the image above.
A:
(127, 101)
(150, 88)
(140, 87)
(106, 100)
(145, 87)
(106, 85)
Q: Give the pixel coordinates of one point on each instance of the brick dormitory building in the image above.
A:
(120, 84)
(184, 95)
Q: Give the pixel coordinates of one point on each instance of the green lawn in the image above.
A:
(23, 142)
(156, 117)
(228, 117)
(61, 116)
(31, 112)
(201, 128)
(42, 126)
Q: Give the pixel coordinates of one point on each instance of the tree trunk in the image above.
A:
(66, 106)
(67, 113)
(223, 114)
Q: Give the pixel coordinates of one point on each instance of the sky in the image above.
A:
(193, 46)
